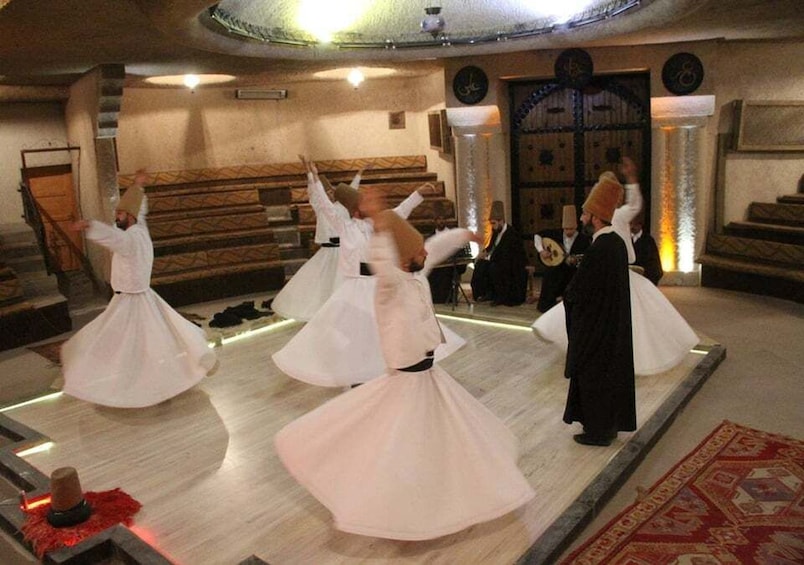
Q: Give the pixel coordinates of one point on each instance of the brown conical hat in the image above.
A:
(65, 489)
(604, 197)
(569, 218)
(347, 196)
(497, 211)
(131, 201)
(407, 238)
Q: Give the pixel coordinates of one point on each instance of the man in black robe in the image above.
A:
(556, 278)
(445, 279)
(647, 252)
(500, 274)
(600, 354)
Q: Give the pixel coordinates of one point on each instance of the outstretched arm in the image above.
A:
(406, 207)
(318, 196)
(444, 244)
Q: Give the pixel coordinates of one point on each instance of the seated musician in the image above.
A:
(573, 244)
(499, 275)
(441, 278)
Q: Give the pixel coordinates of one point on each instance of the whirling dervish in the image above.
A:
(312, 285)
(340, 345)
(661, 336)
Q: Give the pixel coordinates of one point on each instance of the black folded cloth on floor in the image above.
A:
(234, 315)
(225, 320)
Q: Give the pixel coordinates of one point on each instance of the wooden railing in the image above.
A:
(36, 217)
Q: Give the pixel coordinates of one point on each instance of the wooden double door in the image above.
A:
(563, 138)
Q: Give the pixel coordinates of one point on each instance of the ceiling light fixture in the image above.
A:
(191, 81)
(181, 80)
(433, 23)
(355, 77)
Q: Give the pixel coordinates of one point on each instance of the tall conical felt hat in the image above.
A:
(131, 200)
(407, 238)
(347, 196)
(67, 504)
(604, 197)
(497, 211)
(569, 218)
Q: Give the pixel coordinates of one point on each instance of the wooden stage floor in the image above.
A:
(213, 491)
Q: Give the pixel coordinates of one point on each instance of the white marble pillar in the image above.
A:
(480, 176)
(676, 197)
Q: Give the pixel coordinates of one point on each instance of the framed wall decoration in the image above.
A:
(439, 131)
(768, 125)
(396, 120)
(682, 73)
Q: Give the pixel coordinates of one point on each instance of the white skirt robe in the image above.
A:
(407, 456)
(310, 287)
(662, 337)
(340, 345)
(138, 352)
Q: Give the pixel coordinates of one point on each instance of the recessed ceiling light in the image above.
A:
(343, 72)
(180, 80)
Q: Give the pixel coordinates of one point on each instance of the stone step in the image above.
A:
(747, 265)
(287, 253)
(279, 213)
(779, 213)
(20, 248)
(772, 232)
(763, 251)
(797, 199)
(291, 266)
(26, 263)
(16, 233)
(287, 236)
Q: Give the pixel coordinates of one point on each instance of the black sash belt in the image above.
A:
(422, 365)
(333, 242)
(364, 270)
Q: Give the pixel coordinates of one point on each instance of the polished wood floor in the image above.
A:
(214, 492)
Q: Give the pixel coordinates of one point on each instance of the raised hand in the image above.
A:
(427, 188)
(140, 177)
(629, 170)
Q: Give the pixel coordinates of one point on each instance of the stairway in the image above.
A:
(293, 248)
(32, 309)
(763, 254)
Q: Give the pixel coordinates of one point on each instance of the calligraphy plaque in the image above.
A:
(574, 68)
(470, 85)
(682, 73)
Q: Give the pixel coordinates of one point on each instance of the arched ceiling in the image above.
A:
(54, 42)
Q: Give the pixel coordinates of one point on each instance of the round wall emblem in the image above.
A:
(683, 73)
(470, 85)
(574, 68)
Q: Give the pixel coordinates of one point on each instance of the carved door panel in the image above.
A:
(563, 138)
(52, 187)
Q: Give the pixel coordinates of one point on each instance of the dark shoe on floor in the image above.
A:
(586, 439)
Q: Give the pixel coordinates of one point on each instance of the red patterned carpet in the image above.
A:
(738, 498)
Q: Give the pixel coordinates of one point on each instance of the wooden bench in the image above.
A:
(217, 232)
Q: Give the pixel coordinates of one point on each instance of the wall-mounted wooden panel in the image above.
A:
(769, 125)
